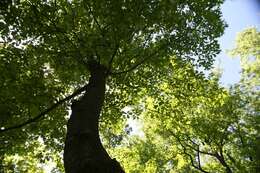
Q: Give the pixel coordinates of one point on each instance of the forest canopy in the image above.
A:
(149, 56)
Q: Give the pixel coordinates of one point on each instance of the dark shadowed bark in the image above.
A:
(83, 151)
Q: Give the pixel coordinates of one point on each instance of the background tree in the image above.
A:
(198, 125)
(115, 47)
(247, 48)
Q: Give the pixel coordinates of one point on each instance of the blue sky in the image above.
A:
(239, 15)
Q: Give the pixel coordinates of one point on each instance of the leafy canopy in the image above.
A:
(191, 124)
(46, 46)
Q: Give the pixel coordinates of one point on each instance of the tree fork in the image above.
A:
(84, 152)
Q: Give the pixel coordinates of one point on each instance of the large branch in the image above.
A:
(77, 92)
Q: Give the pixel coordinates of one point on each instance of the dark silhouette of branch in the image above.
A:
(218, 156)
(77, 92)
(190, 156)
(138, 63)
(223, 162)
(192, 162)
(198, 157)
(232, 159)
(112, 57)
(131, 68)
(88, 6)
(198, 150)
(61, 31)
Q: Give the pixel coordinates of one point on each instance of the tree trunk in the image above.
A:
(83, 152)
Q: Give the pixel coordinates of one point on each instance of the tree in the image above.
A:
(247, 48)
(189, 118)
(110, 50)
(206, 128)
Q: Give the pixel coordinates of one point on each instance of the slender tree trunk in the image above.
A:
(83, 152)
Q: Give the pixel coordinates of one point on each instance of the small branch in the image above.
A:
(133, 67)
(192, 163)
(200, 168)
(61, 31)
(198, 156)
(137, 64)
(232, 159)
(77, 92)
(239, 135)
(222, 160)
(220, 157)
(112, 57)
(128, 70)
(190, 156)
(197, 149)
(94, 18)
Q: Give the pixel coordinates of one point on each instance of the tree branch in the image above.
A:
(77, 92)
(139, 63)
(198, 156)
(219, 157)
(133, 67)
(112, 57)
(198, 150)
(190, 156)
(94, 18)
(61, 31)
(222, 160)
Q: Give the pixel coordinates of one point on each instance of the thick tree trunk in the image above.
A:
(83, 152)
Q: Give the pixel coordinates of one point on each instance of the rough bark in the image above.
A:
(83, 152)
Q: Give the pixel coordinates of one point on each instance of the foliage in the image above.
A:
(192, 124)
(137, 40)
(37, 160)
(248, 48)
